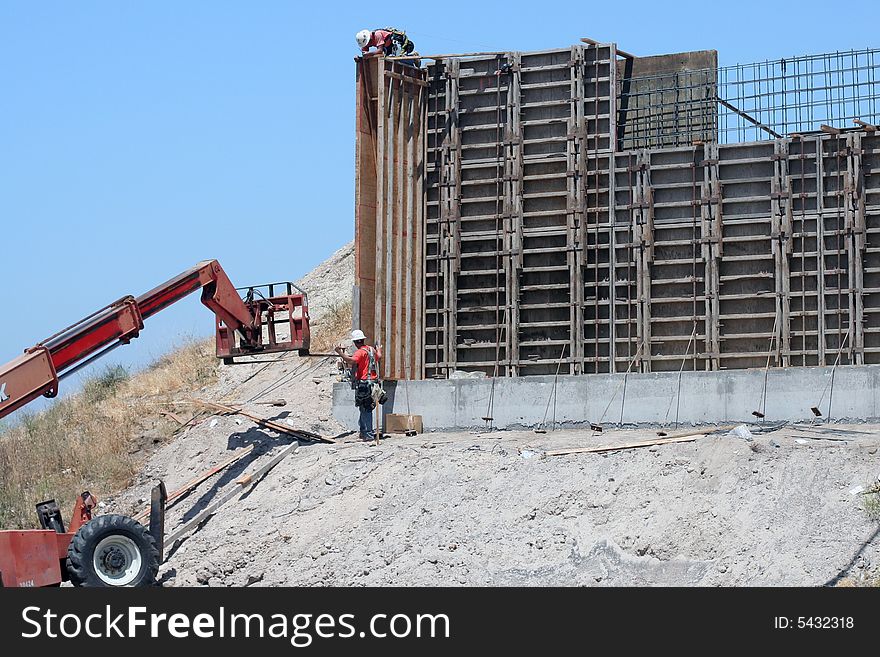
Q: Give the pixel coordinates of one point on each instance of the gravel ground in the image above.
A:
(782, 508)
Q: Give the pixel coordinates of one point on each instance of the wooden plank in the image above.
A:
(269, 424)
(612, 203)
(678, 438)
(820, 248)
(406, 78)
(421, 146)
(389, 246)
(381, 202)
(453, 190)
(574, 218)
(366, 177)
(516, 213)
(192, 483)
(238, 487)
(400, 219)
(411, 277)
(443, 56)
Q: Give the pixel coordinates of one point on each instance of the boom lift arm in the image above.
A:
(239, 330)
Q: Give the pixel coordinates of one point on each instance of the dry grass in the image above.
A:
(871, 502)
(332, 328)
(97, 439)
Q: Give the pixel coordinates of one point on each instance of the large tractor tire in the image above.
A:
(112, 550)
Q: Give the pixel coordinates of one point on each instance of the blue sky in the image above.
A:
(137, 138)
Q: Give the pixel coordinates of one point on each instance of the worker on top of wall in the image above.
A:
(389, 42)
(368, 390)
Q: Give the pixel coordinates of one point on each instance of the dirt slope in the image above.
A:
(462, 509)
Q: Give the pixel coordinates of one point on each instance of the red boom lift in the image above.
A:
(115, 550)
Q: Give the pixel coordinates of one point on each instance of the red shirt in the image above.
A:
(379, 39)
(362, 358)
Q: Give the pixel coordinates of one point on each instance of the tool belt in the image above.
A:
(368, 393)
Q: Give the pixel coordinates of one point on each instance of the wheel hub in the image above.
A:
(114, 560)
(117, 560)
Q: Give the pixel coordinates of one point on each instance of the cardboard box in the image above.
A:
(400, 423)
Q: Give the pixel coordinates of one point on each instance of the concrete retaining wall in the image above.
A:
(706, 397)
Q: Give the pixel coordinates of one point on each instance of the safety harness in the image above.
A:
(369, 391)
(400, 42)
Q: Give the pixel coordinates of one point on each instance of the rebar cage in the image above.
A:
(750, 102)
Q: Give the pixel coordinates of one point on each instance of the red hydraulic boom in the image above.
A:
(244, 326)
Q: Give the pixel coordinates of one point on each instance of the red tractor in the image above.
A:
(112, 549)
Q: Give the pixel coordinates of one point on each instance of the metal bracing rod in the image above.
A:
(552, 396)
(762, 402)
(830, 384)
(619, 385)
(738, 111)
(677, 395)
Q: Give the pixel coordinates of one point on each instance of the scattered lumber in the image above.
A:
(685, 437)
(263, 422)
(192, 483)
(238, 487)
(175, 417)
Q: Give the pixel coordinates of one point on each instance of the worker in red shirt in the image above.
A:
(368, 391)
(381, 39)
(389, 42)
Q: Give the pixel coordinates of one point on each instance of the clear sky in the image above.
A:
(137, 138)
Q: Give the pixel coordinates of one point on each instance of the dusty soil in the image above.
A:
(783, 508)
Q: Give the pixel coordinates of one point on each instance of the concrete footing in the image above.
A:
(705, 397)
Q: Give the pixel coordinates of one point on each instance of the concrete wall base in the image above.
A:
(650, 399)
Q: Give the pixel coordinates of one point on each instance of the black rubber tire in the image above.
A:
(81, 551)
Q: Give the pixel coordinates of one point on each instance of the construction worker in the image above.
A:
(388, 41)
(365, 364)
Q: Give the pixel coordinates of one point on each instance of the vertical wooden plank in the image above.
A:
(706, 253)
(420, 143)
(404, 311)
(381, 195)
(716, 248)
(388, 233)
(573, 220)
(857, 282)
(787, 246)
(648, 256)
(516, 228)
(452, 196)
(820, 248)
(780, 257)
(400, 233)
(612, 195)
(366, 178)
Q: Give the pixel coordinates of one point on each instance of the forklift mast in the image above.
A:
(245, 325)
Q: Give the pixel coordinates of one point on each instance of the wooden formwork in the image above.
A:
(389, 213)
(515, 143)
(519, 241)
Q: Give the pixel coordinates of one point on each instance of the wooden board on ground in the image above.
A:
(679, 438)
(239, 487)
(263, 422)
(188, 486)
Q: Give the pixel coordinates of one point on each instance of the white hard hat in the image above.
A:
(357, 335)
(363, 38)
